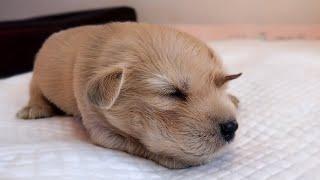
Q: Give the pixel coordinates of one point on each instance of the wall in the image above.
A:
(181, 11)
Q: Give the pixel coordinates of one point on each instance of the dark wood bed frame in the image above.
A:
(20, 40)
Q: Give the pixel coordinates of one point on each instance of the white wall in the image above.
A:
(181, 11)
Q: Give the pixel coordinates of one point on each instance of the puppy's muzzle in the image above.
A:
(228, 129)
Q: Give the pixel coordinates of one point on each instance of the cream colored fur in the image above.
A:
(124, 80)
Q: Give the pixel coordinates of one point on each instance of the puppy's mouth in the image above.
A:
(229, 137)
(205, 148)
(192, 153)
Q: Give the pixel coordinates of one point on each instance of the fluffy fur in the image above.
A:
(144, 89)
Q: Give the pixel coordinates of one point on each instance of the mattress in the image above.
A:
(278, 137)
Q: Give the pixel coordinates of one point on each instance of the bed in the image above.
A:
(278, 138)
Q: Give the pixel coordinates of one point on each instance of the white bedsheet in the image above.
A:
(279, 135)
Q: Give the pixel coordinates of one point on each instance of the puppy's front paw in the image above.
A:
(34, 112)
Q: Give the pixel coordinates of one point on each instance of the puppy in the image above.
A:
(148, 90)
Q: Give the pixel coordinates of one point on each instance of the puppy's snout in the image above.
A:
(228, 129)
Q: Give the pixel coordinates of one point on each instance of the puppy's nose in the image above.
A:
(228, 129)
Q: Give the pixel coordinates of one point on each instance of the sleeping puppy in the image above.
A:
(148, 90)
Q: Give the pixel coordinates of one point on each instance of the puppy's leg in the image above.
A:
(234, 100)
(38, 106)
(104, 137)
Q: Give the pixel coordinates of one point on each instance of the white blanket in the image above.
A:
(278, 138)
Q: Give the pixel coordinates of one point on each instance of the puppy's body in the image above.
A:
(148, 90)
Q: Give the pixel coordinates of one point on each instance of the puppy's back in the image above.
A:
(54, 66)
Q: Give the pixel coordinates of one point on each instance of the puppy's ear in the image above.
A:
(105, 87)
(220, 80)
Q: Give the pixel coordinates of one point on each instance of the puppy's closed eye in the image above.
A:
(165, 88)
(176, 93)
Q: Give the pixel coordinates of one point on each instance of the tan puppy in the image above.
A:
(144, 89)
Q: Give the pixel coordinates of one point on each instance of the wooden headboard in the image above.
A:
(20, 40)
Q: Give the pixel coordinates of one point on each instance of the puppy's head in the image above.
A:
(170, 95)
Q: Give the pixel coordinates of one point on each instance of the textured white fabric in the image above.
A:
(279, 135)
